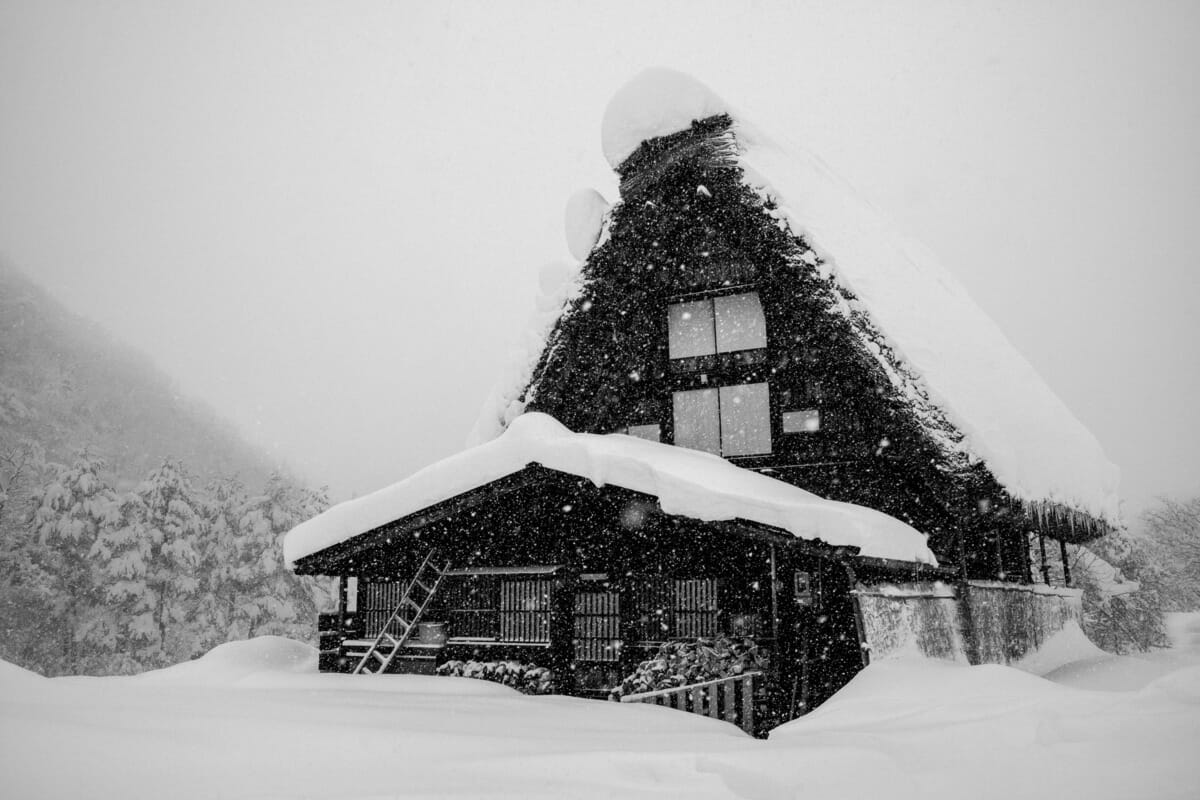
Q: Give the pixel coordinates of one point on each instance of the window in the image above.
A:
(807, 420)
(723, 324)
(651, 432)
(728, 421)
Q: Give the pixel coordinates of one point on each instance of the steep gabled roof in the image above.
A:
(978, 398)
(686, 483)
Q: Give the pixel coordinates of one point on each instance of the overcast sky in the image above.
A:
(327, 219)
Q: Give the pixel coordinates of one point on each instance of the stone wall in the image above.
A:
(981, 623)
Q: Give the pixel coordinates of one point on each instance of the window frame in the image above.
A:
(720, 418)
(700, 360)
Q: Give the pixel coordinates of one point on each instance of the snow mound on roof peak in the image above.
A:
(657, 102)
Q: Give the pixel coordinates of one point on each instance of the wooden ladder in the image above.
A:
(408, 613)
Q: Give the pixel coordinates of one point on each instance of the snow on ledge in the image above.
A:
(686, 482)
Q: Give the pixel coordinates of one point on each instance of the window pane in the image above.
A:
(806, 421)
(745, 419)
(690, 327)
(740, 322)
(696, 420)
(650, 432)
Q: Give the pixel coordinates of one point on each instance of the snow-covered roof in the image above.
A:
(686, 482)
(951, 355)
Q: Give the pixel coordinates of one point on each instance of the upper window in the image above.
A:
(723, 324)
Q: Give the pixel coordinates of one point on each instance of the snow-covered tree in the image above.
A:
(269, 598)
(151, 562)
(29, 634)
(1173, 529)
(72, 511)
(1114, 618)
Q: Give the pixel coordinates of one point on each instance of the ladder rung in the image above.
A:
(380, 657)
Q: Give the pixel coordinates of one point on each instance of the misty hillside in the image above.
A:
(66, 383)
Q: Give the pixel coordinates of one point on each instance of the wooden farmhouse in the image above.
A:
(755, 413)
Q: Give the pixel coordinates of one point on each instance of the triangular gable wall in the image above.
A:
(688, 227)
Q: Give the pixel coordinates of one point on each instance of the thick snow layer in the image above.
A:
(952, 353)
(902, 730)
(657, 102)
(583, 221)
(1010, 418)
(686, 482)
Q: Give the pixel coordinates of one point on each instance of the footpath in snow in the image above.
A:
(254, 719)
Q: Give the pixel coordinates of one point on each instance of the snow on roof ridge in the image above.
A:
(957, 363)
(656, 102)
(686, 482)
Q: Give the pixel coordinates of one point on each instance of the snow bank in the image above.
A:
(952, 354)
(1070, 645)
(14, 677)
(903, 730)
(686, 482)
(234, 662)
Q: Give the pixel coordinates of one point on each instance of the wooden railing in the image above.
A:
(729, 699)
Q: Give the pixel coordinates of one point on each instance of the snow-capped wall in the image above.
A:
(951, 356)
(686, 482)
(985, 623)
(916, 618)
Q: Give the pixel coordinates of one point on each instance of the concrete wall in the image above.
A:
(981, 623)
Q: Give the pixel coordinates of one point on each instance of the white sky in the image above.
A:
(327, 220)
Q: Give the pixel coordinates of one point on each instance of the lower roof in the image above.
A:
(685, 482)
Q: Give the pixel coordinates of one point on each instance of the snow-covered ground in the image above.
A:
(253, 719)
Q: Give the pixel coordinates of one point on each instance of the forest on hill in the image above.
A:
(137, 529)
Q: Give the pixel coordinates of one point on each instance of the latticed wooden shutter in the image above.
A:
(656, 610)
(597, 625)
(380, 599)
(525, 610)
(696, 608)
(472, 606)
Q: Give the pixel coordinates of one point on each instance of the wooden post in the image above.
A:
(961, 537)
(562, 629)
(1001, 573)
(1062, 546)
(1045, 564)
(629, 656)
(341, 602)
(774, 598)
